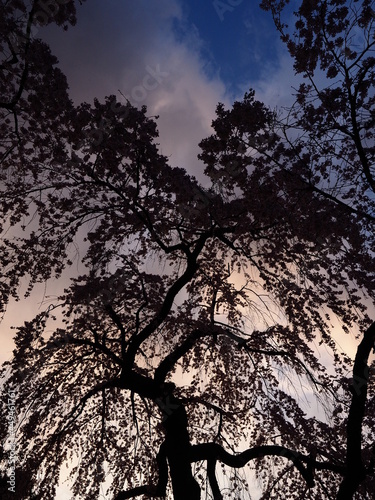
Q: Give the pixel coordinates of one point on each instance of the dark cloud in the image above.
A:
(110, 44)
(145, 51)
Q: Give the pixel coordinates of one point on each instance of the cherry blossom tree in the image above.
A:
(184, 354)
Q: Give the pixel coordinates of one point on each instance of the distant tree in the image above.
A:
(186, 347)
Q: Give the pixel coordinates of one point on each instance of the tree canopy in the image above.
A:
(202, 317)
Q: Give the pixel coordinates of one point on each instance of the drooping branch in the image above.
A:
(55, 439)
(158, 490)
(79, 407)
(167, 364)
(69, 339)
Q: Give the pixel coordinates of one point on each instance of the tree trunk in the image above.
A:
(177, 444)
(355, 468)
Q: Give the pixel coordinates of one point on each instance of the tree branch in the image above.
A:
(11, 105)
(211, 465)
(114, 382)
(68, 339)
(166, 306)
(117, 321)
(355, 469)
(170, 360)
(213, 451)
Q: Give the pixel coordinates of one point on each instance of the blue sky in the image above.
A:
(235, 39)
(239, 39)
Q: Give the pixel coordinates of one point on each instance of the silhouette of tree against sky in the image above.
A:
(180, 353)
(331, 127)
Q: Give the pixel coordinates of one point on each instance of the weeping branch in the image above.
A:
(158, 490)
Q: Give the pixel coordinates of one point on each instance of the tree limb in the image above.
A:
(213, 451)
(211, 465)
(166, 306)
(355, 469)
(170, 360)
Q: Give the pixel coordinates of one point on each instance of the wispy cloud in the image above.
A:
(148, 52)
